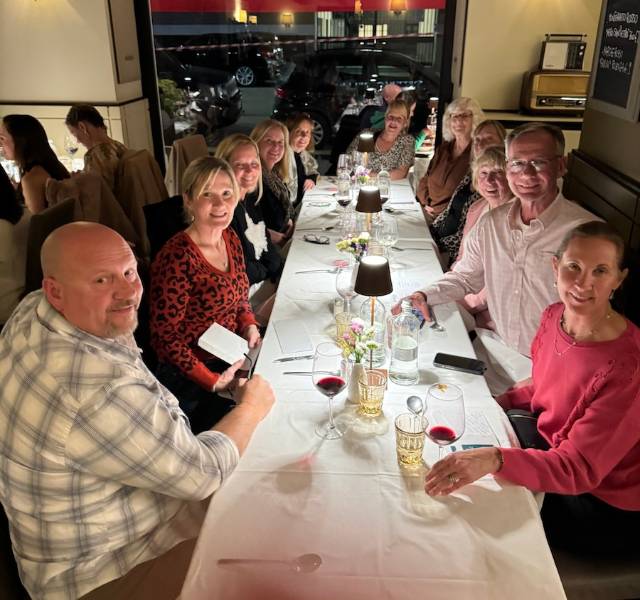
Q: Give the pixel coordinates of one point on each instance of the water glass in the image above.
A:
(372, 384)
(410, 436)
(343, 321)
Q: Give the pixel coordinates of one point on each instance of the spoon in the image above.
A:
(305, 563)
(414, 404)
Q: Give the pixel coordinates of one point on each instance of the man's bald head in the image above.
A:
(91, 278)
(390, 92)
(65, 245)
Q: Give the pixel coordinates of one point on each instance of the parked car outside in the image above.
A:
(210, 100)
(324, 83)
(254, 58)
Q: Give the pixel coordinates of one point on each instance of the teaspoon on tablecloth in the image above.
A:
(305, 563)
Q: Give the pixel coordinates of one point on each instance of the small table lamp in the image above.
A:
(366, 144)
(374, 279)
(369, 202)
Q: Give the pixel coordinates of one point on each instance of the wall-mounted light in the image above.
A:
(241, 17)
(253, 19)
(286, 18)
(357, 8)
(397, 6)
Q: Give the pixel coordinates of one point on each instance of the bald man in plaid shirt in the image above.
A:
(103, 483)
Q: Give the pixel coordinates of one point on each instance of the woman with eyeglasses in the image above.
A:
(583, 449)
(24, 140)
(450, 162)
(394, 148)
(303, 167)
(262, 259)
(447, 228)
(198, 278)
(272, 138)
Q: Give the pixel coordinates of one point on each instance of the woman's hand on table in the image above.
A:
(227, 380)
(252, 335)
(461, 468)
(418, 301)
(308, 184)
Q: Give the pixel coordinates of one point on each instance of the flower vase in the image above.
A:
(353, 390)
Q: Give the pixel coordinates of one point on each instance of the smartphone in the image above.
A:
(459, 363)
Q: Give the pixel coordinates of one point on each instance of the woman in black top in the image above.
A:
(24, 140)
(262, 258)
(304, 167)
(272, 138)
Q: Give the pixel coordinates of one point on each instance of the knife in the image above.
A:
(288, 358)
(307, 373)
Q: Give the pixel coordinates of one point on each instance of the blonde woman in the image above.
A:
(394, 148)
(262, 258)
(272, 138)
(303, 166)
(199, 278)
(450, 163)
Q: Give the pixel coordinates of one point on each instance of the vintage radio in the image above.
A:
(560, 92)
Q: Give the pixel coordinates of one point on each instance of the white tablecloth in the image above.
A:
(378, 534)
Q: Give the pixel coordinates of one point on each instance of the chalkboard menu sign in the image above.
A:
(616, 72)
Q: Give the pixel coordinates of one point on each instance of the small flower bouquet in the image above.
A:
(361, 175)
(358, 340)
(357, 245)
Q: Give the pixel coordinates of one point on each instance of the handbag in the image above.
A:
(525, 425)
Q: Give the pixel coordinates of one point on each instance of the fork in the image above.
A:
(332, 270)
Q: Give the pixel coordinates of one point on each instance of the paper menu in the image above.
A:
(224, 344)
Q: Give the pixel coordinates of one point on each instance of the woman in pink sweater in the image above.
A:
(585, 391)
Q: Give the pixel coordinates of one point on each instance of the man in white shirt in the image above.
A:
(102, 480)
(509, 250)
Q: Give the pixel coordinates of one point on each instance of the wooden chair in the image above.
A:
(40, 226)
(183, 152)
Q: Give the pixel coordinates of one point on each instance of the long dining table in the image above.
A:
(347, 501)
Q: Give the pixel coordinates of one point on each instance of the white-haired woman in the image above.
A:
(450, 163)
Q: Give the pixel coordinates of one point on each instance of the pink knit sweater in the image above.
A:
(588, 399)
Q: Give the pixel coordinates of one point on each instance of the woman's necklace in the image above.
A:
(590, 333)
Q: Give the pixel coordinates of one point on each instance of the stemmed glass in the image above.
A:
(445, 413)
(71, 146)
(345, 284)
(344, 163)
(386, 233)
(330, 378)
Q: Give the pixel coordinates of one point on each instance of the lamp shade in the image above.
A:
(374, 277)
(366, 142)
(369, 200)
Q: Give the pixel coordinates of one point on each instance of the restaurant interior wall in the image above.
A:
(502, 41)
(57, 53)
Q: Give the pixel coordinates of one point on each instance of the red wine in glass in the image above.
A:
(344, 201)
(331, 385)
(330, 378)
(445, 413)
(442, 435)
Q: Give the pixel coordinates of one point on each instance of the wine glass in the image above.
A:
(386, 233)
(445, 413)
(330, 377)
(71, 146)
(344, 163)
(343, 195)
(346, 283)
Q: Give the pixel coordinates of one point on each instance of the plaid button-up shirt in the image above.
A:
(99, 470)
